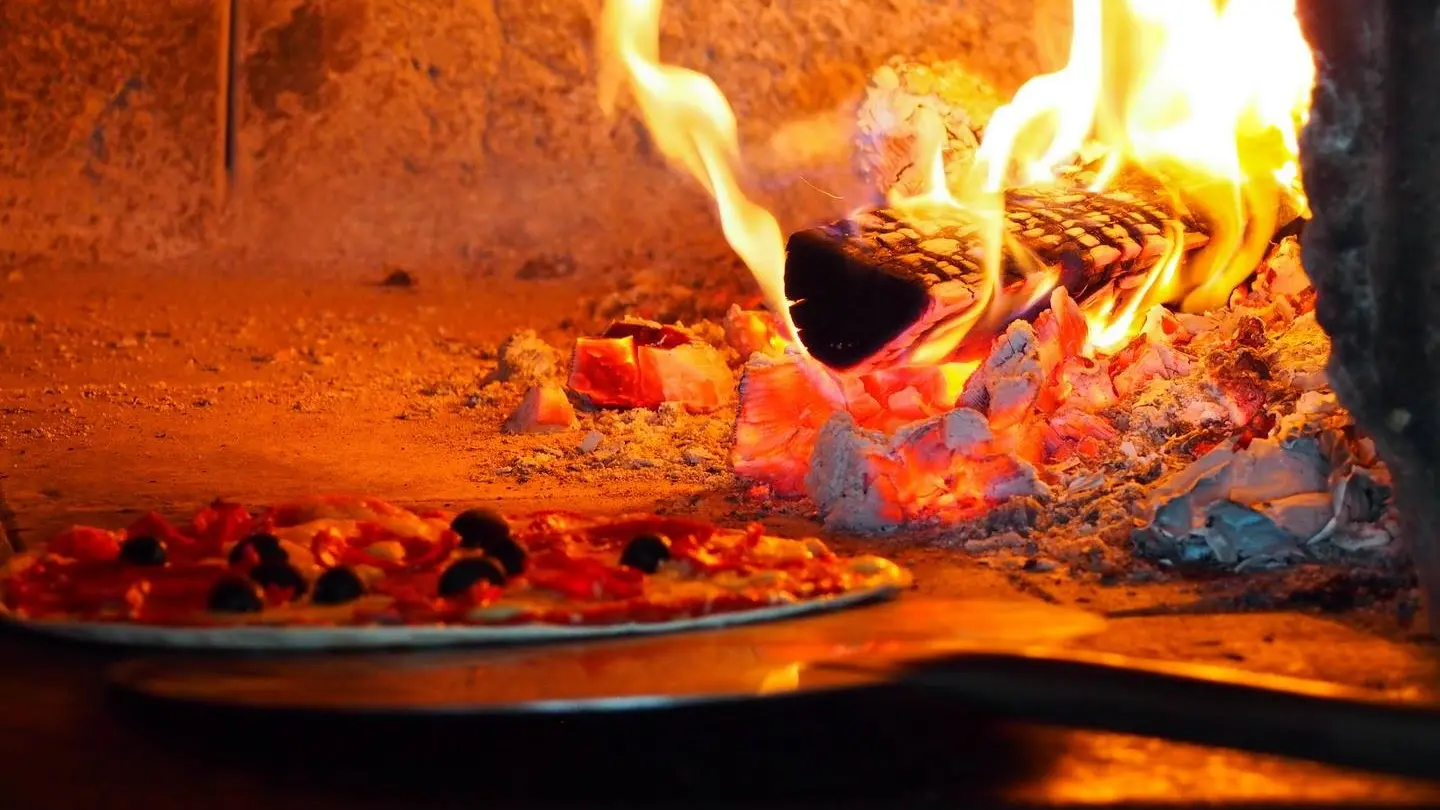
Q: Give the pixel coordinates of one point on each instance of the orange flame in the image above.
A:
(1205, 96)
(694, 127)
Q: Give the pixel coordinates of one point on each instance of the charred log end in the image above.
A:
(844, 311)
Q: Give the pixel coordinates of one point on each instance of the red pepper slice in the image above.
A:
(85, 543)
(623, 530)
(220, 524)
(432, 554)
(178, 547)
(585, 578)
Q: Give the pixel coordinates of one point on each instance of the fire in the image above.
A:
(992, 336)
(694, 127)
(1146, 87)
(1203, 97)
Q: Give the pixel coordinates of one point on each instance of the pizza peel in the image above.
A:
(1001, 660)
(741, 663)
(1394, 732)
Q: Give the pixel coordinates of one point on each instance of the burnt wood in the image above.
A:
(860, 284)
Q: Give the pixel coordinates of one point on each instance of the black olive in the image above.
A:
(142, 551)
(337, 586)
(462, 575)
(280, 575)
(480, 528)
(487, 531)
(267, 549)
(236, 595)
(645, 553)
(509, 554)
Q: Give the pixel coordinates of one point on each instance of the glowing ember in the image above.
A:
(643, 365)
(545, 409)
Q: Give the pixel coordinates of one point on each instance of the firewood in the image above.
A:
(868, 288)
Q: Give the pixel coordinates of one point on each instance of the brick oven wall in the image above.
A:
(1372, 248)
(450, 133)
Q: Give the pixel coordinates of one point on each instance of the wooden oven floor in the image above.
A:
(131, 389)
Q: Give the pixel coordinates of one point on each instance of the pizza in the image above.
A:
(350, 563)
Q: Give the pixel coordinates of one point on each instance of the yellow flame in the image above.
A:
(1205, 97)
(693, 126)
(1109, 329)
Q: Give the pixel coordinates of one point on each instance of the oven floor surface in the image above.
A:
(128, 389)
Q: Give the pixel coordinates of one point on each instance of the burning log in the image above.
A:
(869, 288)
(636, 364)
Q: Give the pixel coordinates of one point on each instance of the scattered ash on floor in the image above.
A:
(671, 297)
(638, 444)
(563, 436)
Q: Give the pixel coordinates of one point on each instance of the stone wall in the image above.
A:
(453, 133)
(109, 128)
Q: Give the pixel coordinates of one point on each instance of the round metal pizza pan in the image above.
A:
(645, 673)
(270, 638)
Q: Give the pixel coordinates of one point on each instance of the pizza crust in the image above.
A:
(260, 638)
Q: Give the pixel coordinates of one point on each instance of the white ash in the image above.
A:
(525, 359)
(842, 480)
(591, 442)
(1013, 477)
(1007, 383)
(855, 474)
(667, 442)
(1301, 353)
(696, 456)
(1238, 535)
(963, 432)
(1006, 541)
(1276, 501)
(966, 431)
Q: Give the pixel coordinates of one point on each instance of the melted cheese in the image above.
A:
(404, 526)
